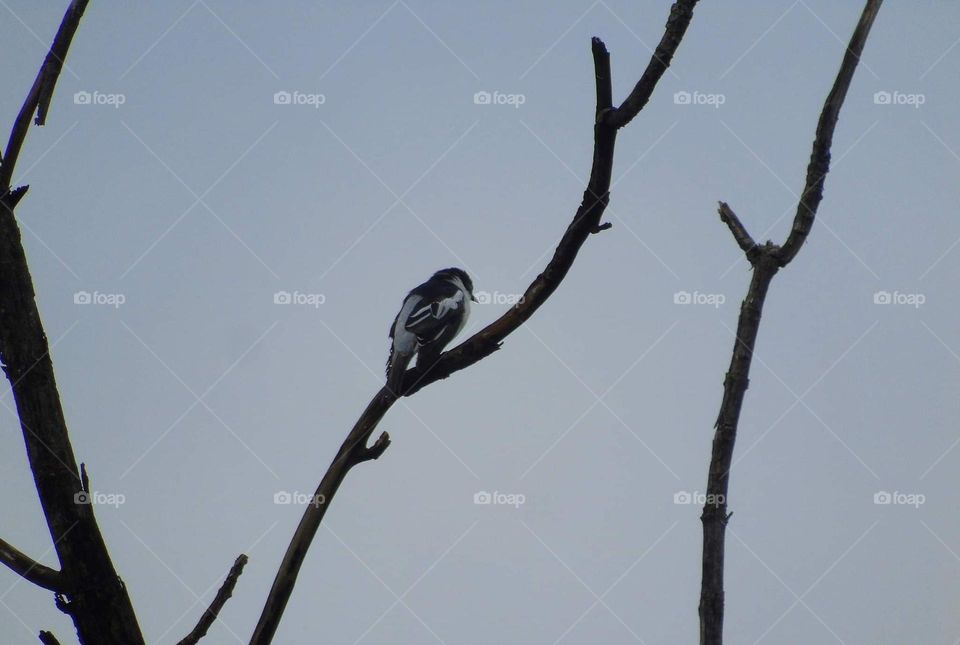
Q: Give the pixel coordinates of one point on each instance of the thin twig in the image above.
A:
(210, 615)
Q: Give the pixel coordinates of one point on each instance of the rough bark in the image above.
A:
(89, 589)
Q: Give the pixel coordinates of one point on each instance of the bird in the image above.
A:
(432, 314)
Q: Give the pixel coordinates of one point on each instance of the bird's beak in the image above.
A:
(473, 298)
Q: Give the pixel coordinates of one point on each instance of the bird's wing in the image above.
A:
(442, 306)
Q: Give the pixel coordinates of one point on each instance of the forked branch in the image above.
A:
(587, 220)
(766, 260)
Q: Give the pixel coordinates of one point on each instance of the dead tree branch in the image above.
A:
(608, 120)
(210, 615)
(31, 570)
(765, 260)
(47, 638)
(90, 590)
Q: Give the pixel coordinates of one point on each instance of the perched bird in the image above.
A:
(431, 315)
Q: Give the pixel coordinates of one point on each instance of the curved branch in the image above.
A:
(223, 595)
(585, 222)
(29, 569)
(38, 100)
(819, 164)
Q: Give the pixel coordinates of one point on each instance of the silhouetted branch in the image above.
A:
(38, 99)
(766, 260)
(47, 638)
(25, 566)
(89, 589)
(210, 615)
(585, 222)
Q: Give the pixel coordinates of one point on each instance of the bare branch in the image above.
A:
(30, 569)
(766, 260)
(585, 222)
(47, 638)
(38, 100)
(210, 615)
(819, 164)
(740, 234)
(90, 591)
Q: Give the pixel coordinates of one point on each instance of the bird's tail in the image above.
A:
(396, 367)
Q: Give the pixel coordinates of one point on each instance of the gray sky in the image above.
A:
(183, 190)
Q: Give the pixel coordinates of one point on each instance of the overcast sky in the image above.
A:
(176, 199)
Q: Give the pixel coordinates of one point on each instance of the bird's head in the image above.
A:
(455, 274)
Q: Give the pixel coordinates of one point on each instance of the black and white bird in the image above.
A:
(431, 315)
